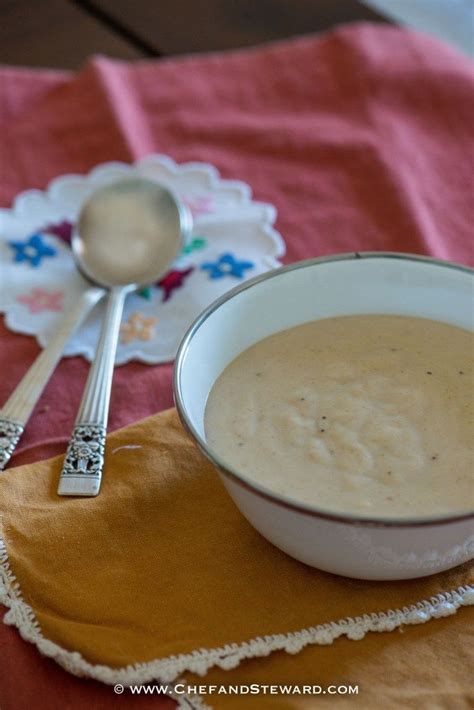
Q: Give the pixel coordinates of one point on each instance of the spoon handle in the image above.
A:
(18, 408)
(82, 468)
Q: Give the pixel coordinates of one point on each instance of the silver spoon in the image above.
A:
(127, 235)
(18, 408)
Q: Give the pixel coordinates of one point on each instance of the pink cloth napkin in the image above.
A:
(361, 138)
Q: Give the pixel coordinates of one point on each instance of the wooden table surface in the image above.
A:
(64, 33)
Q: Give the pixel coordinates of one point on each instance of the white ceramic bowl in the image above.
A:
(347, 284)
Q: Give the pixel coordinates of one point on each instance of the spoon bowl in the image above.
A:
(128, 233)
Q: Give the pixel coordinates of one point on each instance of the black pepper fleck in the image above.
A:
(428, 372)
(322, 431)
(461, 372)
(302, 399)
(433, 458)
(323, 417)
(389, 473)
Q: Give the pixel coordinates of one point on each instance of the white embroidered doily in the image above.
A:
(233, 239)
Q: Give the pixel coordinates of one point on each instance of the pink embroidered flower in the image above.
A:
(39, 300)
(201, 204)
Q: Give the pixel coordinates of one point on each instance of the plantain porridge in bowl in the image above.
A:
(370, 415)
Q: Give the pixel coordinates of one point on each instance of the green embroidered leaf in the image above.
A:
(195, 245)
(145, 292)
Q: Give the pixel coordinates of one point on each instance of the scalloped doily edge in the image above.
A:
(167, 670)
(96, 174)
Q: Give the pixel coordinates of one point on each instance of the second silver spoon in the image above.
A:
(127, 235)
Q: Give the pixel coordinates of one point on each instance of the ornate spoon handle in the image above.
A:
(82, 469)
(17, 410)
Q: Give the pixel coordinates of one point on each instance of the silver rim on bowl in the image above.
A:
(245, 481)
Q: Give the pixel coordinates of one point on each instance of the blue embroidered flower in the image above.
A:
(32, 250)
(227, 265)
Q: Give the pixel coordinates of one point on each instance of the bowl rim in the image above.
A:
(245, 481)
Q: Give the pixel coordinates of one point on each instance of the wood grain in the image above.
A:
(55, 33)
(181, 26)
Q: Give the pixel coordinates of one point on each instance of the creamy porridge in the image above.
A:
(364, 414)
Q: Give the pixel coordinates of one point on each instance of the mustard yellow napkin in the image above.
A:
(162, 570)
